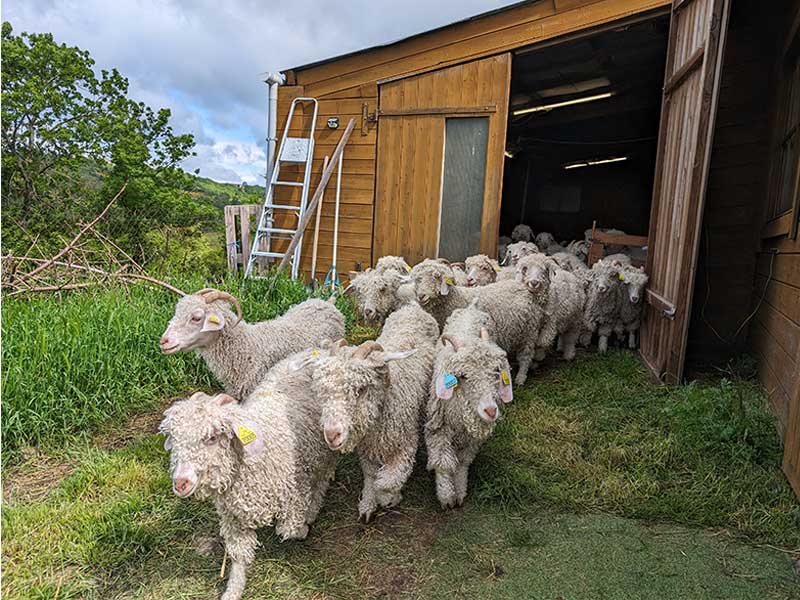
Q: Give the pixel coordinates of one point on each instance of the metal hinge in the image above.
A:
(367, 118)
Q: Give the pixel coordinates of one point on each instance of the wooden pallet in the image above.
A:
(237, 248)
(600, 240)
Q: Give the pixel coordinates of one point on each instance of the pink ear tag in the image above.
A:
(250, 437)
(506, 393)
(446, 384)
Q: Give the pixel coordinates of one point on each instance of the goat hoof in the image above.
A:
(365, 517)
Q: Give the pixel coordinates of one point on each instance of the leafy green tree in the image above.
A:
(71, 137)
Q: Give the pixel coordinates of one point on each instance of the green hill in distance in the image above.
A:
(220, 194)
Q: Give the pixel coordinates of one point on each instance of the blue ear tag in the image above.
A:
(450, 381)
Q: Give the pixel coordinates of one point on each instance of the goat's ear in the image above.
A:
(168, 443)
(444, 288)
(312, 356)
(445, 385)
(213, 322)
(506, 391)
(223, 399)
(386, 357)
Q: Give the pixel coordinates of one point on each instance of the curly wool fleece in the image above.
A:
(240, 355)
(374, 400)
(279, 477)
(378, 294)
(561, 294)
(454, 427)
(436, 289)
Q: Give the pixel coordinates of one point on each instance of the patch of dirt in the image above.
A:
(388, 583)
(37, 473)
(33, 478)
(143, 423)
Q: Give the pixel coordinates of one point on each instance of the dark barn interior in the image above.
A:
(547, 183)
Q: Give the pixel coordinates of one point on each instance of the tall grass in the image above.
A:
(73, 361)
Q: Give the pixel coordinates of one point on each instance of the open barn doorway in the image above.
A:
(582, 132)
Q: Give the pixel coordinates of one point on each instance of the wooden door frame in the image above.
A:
(497, 113)
(675, 356)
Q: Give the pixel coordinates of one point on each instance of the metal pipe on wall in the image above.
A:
(273, 80)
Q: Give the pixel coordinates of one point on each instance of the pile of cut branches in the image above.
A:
(88, 259)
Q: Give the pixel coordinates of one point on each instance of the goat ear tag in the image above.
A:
(621, 277)
(213, 323)
(245, 435)
(408, 269)
(496, 268)
(450, 381)
(251, 439)
(506, 391)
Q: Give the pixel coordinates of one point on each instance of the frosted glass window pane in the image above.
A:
(462, 188)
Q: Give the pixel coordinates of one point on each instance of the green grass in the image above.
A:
(113, 530)
(599, 435)
(75, 361)
(598, 483)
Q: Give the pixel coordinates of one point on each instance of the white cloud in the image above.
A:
(202, 58)
(232, 161)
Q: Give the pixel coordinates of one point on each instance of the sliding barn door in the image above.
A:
(691, 83)
(441, 137)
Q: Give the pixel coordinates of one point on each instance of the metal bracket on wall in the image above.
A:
(367, 118)
(658, 302)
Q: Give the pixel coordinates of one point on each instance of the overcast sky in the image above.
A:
(202, 59)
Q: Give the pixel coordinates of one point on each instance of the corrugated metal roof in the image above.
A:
(411, 37)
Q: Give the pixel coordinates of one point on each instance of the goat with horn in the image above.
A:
(373, 396)
(471, 381)
(238, 353)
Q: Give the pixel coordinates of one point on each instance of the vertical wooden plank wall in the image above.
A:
(358, 176)
(736, 185)
(411, 147)
(343, 85)
(774, 334)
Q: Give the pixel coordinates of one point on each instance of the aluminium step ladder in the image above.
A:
(292, 150)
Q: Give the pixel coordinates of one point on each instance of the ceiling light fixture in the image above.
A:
(591, 163)
(543, 107)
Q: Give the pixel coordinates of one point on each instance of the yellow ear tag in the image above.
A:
(214, 319)
(448, 280)
(496, 268)
(504, 377)
(313, 354)
(621, 277)
(408, 268)
(245, 435)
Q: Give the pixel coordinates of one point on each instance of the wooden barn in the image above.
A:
(675, 120)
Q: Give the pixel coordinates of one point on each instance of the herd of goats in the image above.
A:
(297, 396)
